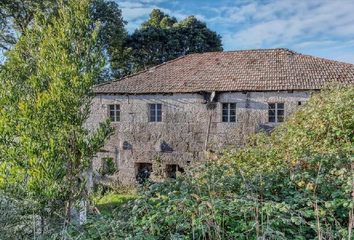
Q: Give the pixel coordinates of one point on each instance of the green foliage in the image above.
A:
(17, 15)
(296, 183)
(44, 102)
(108, 167)
(17, 218)
(161, 38)
(111, 201)
(111, 36)
(159, 19)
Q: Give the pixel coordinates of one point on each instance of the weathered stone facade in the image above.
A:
(192, 91)
(190, 126)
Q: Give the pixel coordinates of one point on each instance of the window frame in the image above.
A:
(155, 112)
(230, 118)
(116, 112)
(278, 118)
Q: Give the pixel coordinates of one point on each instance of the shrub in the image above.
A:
(294, 184)
(108, 167)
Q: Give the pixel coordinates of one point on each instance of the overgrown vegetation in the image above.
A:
(296, 183)
(159, 39)
(112, 201)
(45, 149)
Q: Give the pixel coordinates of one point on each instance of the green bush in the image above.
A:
(296, 183)
(108, 167)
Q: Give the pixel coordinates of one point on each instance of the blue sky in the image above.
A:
(323, 28)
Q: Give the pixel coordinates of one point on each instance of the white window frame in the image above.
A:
(228, 114)
(116, 112)
(157, 117)
(276, 109)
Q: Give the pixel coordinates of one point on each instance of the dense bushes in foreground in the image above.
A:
(296, 183)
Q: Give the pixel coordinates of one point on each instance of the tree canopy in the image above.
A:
(18, 15)
(162, 38)
(45, 97)
(112, 35)
(159, 39)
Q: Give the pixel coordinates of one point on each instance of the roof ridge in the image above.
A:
(326, 59)
(282, 49)
(250, 50)
(271, 69)
(191, 54)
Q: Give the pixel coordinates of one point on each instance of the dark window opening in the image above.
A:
(114, 112)
(155, 112)
(276, 112)
(172, 169)
(299, 103)
(144, 171)
(165, 147)
(229, 112)
(127, 146)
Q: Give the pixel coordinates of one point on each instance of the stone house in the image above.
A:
(173, 115)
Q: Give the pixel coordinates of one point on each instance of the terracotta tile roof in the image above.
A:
(247, 70)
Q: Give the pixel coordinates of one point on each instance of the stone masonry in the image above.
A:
(190, 127)
(192, 91)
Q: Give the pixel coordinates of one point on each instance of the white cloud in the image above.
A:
(288, 22)
(153, 1)
(322, 27)
(136, 12)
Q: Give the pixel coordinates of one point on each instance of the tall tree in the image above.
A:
(159, 19)
(195, 37)
(44, 102)
(112, 35)
(16, 16)
(161, 38)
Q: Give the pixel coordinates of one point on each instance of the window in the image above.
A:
(229, 112)
(155, 113)
(144, 171)
(276, 112)
(114, 112)
(172, 169)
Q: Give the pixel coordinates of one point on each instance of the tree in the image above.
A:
(159, 19)
(44, 102)
(196, 37)
(17, 16)
(112, 36)
(161, 38)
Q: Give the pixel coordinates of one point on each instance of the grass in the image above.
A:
(112, 201)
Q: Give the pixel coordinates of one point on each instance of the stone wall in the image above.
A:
(189, 127)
